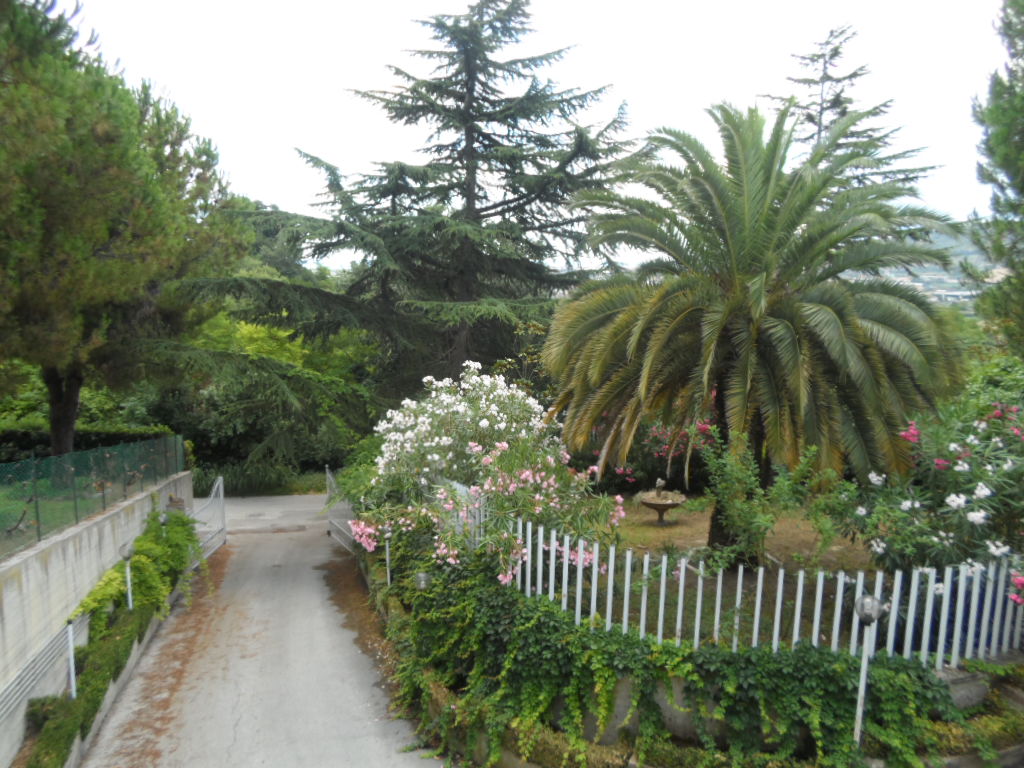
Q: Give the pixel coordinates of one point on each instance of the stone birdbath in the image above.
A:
(660, 500)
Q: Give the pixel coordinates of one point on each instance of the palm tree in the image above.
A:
(767, 310)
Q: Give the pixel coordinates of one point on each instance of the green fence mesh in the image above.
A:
(39, 497)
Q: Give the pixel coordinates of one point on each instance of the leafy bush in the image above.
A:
(503, 662)
(457, 467)
(964, 498)
(20, 443)
(164, 554)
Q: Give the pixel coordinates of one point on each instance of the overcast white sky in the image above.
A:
(261, 79)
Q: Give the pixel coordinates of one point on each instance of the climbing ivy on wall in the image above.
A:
(521, 665)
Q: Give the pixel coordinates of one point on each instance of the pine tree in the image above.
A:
(106, 201)
(456, 251)
(1002, 236)
(826, 100)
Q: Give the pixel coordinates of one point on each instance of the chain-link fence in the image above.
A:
(39, 497)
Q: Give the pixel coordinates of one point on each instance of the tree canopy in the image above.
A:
(106, 199)
(825, 98)
(1002, 146)
(454, 252)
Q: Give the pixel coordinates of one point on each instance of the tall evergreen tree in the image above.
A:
(106, 199)
(455, 251)
(1002, 236)
(824, 99)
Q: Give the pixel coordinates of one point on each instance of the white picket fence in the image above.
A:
(942, 617)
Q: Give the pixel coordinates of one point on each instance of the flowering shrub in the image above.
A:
(964, 499)
(440, 436)
(457, 468)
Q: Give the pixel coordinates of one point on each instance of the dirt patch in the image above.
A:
(352, 600)
(141, 737)
(154, 718)
(794, 540)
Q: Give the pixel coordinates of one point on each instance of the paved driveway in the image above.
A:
(265, 670)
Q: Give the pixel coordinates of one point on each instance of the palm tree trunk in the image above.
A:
(719, 534)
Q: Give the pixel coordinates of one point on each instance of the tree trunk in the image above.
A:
(64, 387)
(718, 534)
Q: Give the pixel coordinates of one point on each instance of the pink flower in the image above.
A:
(943, 464)
(487, 460)
(364, 533)
(912, 434)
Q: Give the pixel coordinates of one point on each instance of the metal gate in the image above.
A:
(339, 514)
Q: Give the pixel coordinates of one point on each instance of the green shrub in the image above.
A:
(20, 442)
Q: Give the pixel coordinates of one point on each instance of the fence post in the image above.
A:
(72, 681)
(35, 499)
(863, 684)
(74, 491)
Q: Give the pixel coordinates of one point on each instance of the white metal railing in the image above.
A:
(211, 516)
(339, 514)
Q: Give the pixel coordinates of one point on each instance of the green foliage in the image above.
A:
(111, 640)
(1002, 236)
(261, 407)
(825, 101)
(25, 441)
(962, 498)
(475, 449)
(455, 253)
(749, 510)
(520, 665)
(789, 345)
(106, 200)
(164, 555)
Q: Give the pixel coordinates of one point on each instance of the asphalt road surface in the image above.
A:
(265, 669)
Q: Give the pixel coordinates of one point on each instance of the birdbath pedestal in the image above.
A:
(661, 502)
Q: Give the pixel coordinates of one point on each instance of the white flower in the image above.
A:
(973, 440)
(954, 447)
(962, 466)
(1008, 464)
(862, 511)
(978, 516)
(956, 501)
(908, 504)
(484, 423)
(997, 548)
(877, 546)
(982, 491)
(875, 478)
(980, 425)
(997, 442)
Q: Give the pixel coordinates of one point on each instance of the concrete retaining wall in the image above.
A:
(41, 586)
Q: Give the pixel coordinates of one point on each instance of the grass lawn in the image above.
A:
(794, 541)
